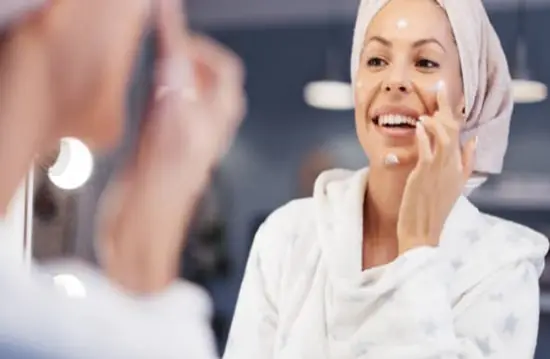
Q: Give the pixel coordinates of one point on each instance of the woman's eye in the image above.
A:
(428, 64)
(376, 62)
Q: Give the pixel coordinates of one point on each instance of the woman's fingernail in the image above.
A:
(421, 119)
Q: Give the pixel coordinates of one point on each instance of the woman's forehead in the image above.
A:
(412, 19)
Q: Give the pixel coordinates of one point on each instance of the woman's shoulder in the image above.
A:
(287, 236)
(497, 243)
(486, 245)
(283, 243)
(513, 234)
(490, 240)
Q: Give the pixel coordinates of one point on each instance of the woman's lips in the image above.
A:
(398, 132)
(395, 125)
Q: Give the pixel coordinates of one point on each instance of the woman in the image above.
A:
(392, 262)
(64, 71)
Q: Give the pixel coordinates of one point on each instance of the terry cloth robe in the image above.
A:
(305, 296)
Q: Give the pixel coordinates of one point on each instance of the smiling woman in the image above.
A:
(393, 261)
(401, 56)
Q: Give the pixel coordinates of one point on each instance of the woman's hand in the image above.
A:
(437, 180)
(198, 106)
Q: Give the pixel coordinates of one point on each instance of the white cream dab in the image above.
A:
(391, 159)
(402, 24)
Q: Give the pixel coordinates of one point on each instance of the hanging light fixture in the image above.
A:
(329, 95)
(524, 88)
(333, 92)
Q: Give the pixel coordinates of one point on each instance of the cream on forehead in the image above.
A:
(368, 9)
(402, 24)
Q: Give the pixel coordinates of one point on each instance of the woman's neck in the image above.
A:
(385, 188)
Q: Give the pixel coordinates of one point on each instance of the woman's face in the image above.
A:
(408, 48)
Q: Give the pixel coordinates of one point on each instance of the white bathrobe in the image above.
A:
(38, 321)
(305, 296)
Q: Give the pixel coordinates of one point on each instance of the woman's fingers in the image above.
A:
(174, 66)
(445, 137)
(220, 82)
(425, 153)
(172, 28)
(220, 72)
(468, 156)
(181, 142)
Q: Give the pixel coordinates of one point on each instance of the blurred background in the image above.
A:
(299, 123)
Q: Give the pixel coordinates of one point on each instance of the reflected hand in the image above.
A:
(196, 111)
(437, 181)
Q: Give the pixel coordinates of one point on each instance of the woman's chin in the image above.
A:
(396, 157)
(407, 158)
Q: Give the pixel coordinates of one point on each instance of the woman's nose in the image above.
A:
(397, 86)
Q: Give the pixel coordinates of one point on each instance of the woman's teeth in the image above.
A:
(396, 120)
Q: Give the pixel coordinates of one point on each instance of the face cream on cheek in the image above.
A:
(436, 87)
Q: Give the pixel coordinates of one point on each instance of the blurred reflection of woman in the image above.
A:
(392, 262)
(64, 71)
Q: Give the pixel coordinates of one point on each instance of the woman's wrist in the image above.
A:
(144, 277)
(142, 264)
